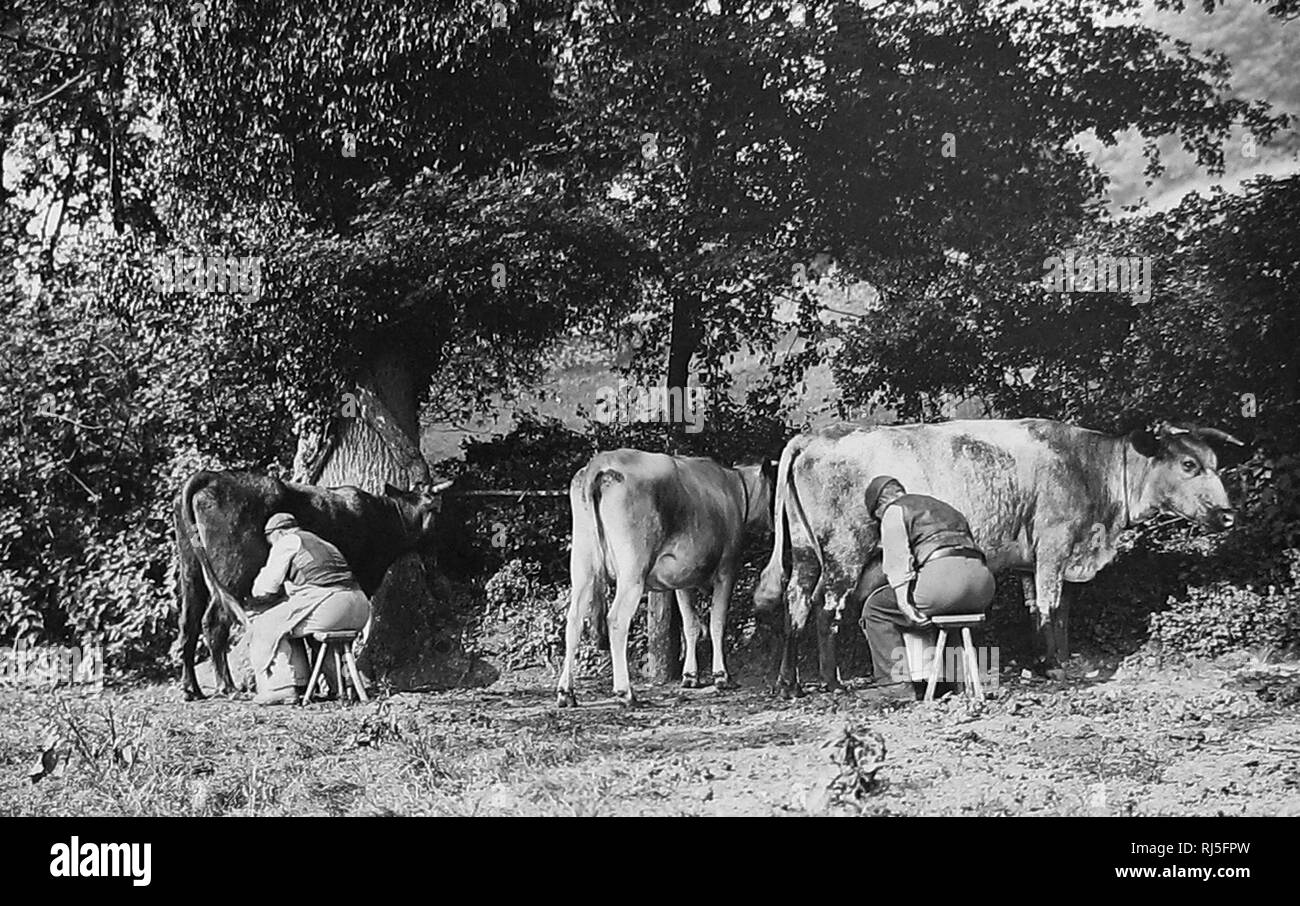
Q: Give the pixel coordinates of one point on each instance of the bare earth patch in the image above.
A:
(1209, 740)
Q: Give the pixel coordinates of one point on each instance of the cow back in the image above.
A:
(1010, 479)
(231, 509)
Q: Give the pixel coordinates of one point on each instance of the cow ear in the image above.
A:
(1145, 442)
(390, 491)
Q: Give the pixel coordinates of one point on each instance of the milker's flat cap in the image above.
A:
(279, 521)
(877, 487)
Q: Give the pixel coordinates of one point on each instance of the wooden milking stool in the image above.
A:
(964, 622)
(340, 643)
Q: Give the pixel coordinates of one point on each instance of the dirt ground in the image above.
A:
(1211, 739)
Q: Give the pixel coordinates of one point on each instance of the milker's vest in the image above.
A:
(319, 563)
(932, 525)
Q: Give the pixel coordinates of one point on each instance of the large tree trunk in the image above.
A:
(663, 624)
(376, 442)
(663, 619)
(683, 341)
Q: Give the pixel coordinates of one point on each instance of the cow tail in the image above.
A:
(819, 591)
(771, 585)
(189, 522)
(600, 615)
(189, 531)
(771, 588)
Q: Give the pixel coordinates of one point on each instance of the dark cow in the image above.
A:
(662, 523)
(229, 510)
(1043, 498)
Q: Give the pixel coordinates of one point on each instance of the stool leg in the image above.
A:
(355, 674)
(936, 665)
(315, 673)
(306, 647)
(338, 675)
(972, 663)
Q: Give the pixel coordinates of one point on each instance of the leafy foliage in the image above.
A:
(309, 104)
(112, 404)
(467, 279)
(483, 533)
(529, 616)
(523, 619)
(748, 142)
(1224, 617)
(1215, 328)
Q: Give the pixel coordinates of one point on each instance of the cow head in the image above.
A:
(419, 508)
(1182, 477)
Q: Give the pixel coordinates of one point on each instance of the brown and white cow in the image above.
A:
(1042, 498)
(650, 521)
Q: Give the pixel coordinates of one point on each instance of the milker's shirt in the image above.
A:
(913, 527)
(301, 558)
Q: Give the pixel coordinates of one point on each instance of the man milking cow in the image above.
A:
(221, 519)
(321, 595)
(1046, 501)
(929, 566)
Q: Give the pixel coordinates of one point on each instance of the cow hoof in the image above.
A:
(1055, 673)
(721, 680)
(566, 699)
(789, 691)
(194, 695)
(625, 699)
(689, 681)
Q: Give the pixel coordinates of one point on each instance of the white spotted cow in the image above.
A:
(1043, 498)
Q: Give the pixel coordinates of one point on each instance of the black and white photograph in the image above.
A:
(650, 408)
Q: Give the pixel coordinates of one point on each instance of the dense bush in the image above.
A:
(1271, 496)
(1221, 617)
(480, 534)
(522, 623)
(527, 615)
(114, 396)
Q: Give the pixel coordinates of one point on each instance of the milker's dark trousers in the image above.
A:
(944, 586)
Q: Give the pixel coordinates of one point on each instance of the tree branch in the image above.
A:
(57, 91)
(22, 41)
(40, 413)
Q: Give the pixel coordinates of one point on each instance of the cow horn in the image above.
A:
(441, 486)
(1216, 434)
(1165, 429)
